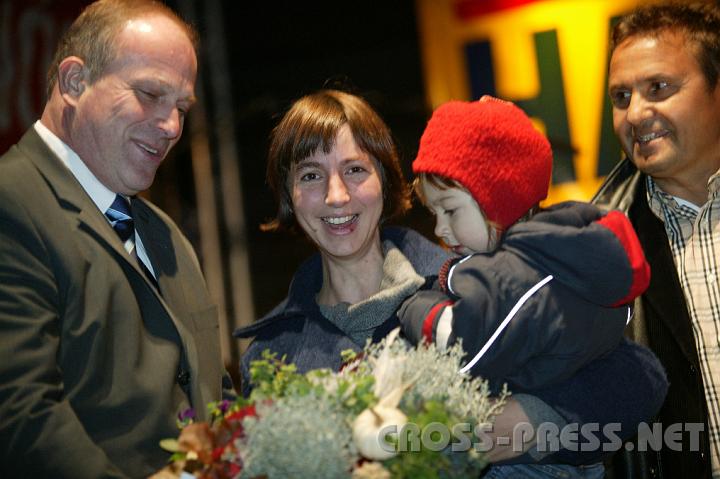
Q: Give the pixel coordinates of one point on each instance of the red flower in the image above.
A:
(353, 363)
(242, 413)
(217, 453)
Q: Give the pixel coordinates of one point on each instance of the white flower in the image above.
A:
(369, 427)
(369, 431)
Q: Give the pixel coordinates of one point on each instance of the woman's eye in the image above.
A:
(309, 177)
(450, 212)
(356, 169)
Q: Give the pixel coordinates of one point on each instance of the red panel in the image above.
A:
(467, 9)
(29, 32)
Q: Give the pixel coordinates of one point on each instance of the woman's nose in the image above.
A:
(337, 192)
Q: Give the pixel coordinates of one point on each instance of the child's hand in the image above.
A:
(419, 313)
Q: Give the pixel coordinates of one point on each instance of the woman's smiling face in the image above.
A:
(337, 198)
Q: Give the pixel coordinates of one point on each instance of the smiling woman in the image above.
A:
(335, 173)
(337, 198)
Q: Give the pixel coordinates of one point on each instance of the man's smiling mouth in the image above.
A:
(647, 138)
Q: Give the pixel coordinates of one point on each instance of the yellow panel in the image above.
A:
(582, 29)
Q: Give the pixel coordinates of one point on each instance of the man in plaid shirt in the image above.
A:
(665, 91)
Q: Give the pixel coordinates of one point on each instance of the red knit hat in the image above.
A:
(491, 148)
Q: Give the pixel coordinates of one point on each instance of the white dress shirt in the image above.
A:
(99, 193)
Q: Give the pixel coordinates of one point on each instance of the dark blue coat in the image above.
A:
(625, 386)
(542, 305)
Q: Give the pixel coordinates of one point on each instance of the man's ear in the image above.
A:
(72, 79)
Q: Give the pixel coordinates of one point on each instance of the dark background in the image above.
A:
(273, 52)
(279, 51)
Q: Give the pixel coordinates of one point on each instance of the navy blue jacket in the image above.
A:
(540, 306)
(625, 386)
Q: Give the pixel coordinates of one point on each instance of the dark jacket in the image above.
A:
(95, 363)
(541, 305)
(296, 327)
(625, 386)
(662, 323)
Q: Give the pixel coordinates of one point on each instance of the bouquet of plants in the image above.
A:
(393, 411)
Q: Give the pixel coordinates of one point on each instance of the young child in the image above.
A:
(531, 301)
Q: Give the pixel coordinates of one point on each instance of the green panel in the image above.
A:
(550, 106)
(609, 152)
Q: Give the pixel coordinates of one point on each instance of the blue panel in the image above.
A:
(480, 70)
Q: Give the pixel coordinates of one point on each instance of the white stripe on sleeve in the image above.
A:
(505, 322)
(450, 273)
(444, 328)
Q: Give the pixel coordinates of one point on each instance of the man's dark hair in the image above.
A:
(698, 22)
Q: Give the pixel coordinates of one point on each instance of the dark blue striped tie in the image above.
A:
(121, 218)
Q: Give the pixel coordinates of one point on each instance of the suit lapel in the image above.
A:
(73, 199)
(71, 196)
(158, 244)
(183, 289)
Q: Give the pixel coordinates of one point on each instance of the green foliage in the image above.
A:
(298, 436)
(357, 393)
(301, 425)
(272, 377)
(429, 464)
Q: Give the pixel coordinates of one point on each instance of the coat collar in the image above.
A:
(426, 258)
(617, 190)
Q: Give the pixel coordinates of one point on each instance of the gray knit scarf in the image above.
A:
(360, 320)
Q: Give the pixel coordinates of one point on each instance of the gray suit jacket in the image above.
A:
(95, 363)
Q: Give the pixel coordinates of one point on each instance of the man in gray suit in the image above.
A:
(107, 331)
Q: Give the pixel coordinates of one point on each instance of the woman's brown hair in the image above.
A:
(312, 123)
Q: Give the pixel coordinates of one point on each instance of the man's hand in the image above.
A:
(504, 427)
